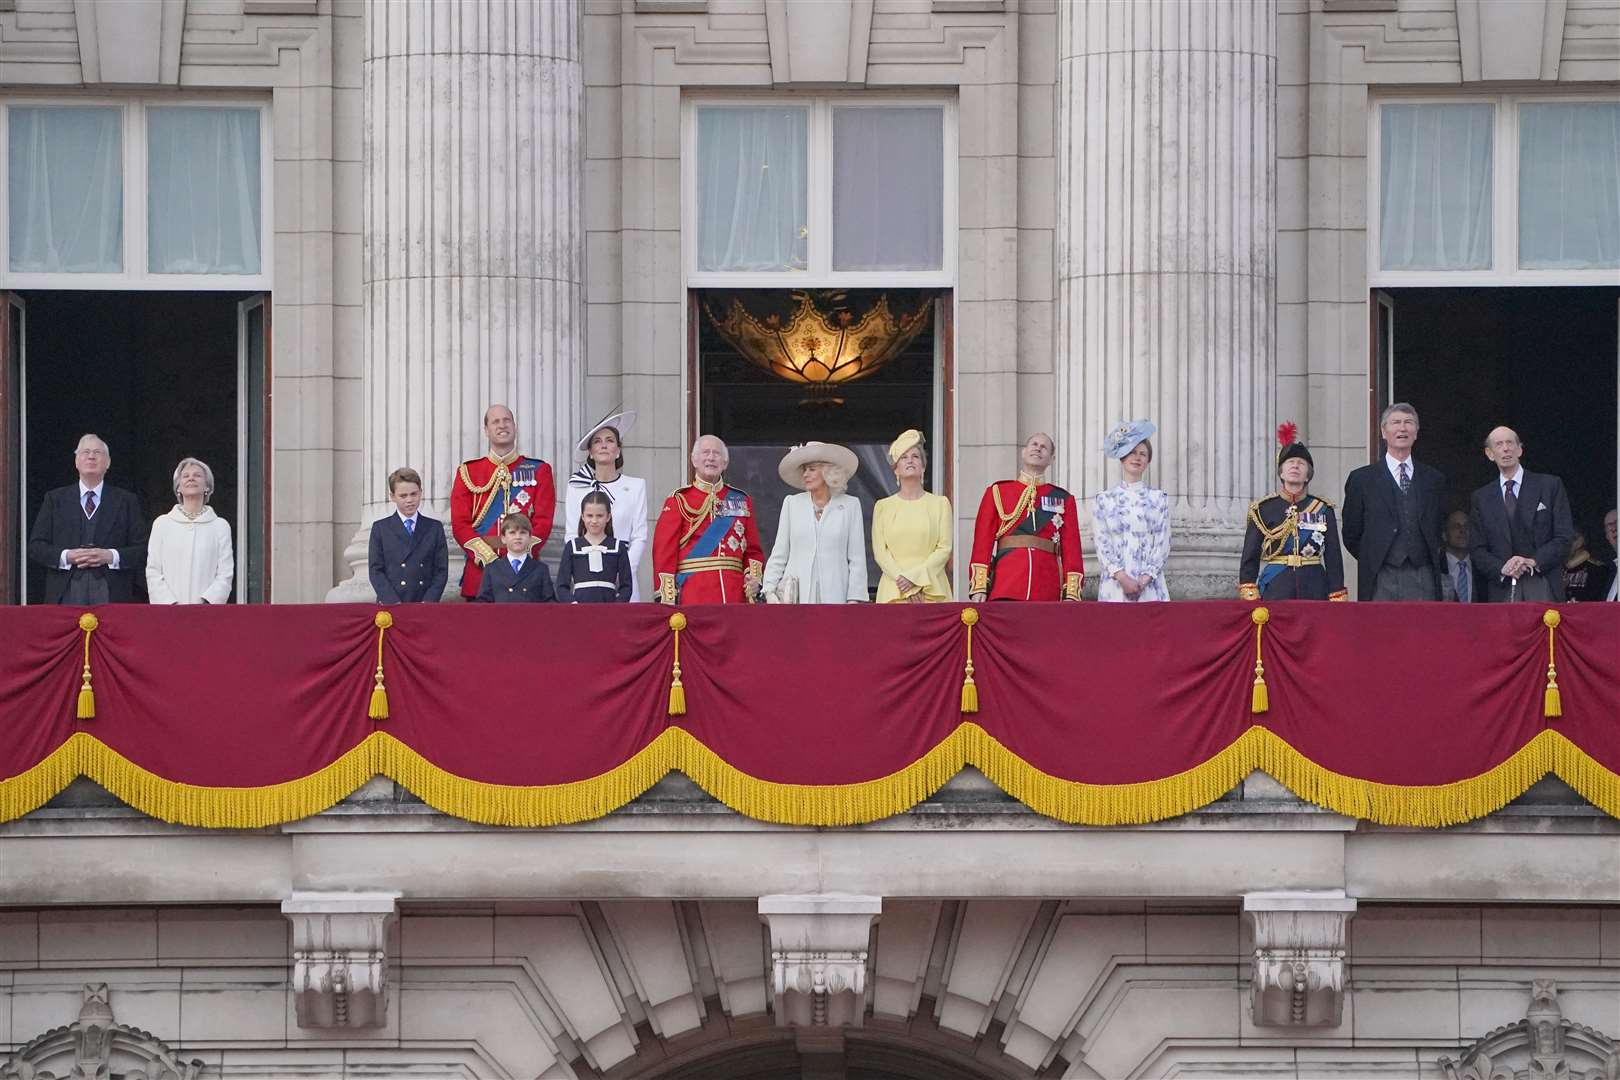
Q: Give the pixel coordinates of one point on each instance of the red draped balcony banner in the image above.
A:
(235, 717)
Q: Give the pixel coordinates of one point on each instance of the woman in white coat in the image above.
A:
(189, 558)
(603, 471)
(820, 552)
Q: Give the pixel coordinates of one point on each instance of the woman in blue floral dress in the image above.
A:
(1132, 522)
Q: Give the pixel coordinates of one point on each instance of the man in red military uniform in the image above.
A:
(486, 489)
(1026, 540)
(706, 547)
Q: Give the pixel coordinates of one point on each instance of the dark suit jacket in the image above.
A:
(408, 568)
(503, 585)
(1371, 517)
(118, 524)
(1545, 526)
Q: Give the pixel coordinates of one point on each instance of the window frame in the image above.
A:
(136, 275)
(819, 194)
(1505, 130)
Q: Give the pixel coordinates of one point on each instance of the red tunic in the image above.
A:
(1026, 543)
(706, 546)
(485, 490)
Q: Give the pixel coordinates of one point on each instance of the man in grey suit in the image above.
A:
(1519, 526)
(1391, 516)
(408, 555)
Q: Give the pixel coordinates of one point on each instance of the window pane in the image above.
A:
(203, 191)
(751, 189)
(1569, 186)
(888, 189)
(67, 198)
(1435, 187)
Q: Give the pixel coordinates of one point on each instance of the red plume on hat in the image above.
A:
(1287, 433)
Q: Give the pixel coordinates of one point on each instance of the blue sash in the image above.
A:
(708, 542)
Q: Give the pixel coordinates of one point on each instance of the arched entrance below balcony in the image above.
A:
(825, 1054)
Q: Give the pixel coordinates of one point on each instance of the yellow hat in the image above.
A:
(906, 441)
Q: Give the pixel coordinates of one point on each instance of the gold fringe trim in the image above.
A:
(812, 804)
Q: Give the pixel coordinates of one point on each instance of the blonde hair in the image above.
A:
(835, 477)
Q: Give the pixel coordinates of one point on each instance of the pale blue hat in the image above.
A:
(1126, 437)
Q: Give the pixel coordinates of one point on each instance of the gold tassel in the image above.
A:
(677, 692)
(379, 693)
(1552, 703)
(1259, 698)
(87, 696)
(970, 692)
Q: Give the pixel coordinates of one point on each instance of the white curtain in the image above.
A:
(888, 189)
(751, 194)
(1435, 187)
(1569, 186)
(203, 191)
(67, 204)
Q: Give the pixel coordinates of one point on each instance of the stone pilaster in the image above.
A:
(1166, 258)
(474, 237)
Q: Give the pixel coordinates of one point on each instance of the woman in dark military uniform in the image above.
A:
(1291, 547)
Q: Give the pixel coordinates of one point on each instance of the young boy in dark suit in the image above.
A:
(517, 577)
(408, 555)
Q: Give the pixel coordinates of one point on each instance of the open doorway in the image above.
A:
(160, 376)
(761, 414)
(1542, 361)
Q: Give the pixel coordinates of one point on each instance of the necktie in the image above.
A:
(1406, 481)
(1510, 500)
(1462, 581)
(89, 504)
(410, 526)
(517, 565)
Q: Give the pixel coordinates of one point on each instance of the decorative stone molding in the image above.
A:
(1510, 41)
(819, 44)
(1298, 978)
(340, 957)
(819, 953)
(134, 43)
(94, 1047)
(1543, 1046)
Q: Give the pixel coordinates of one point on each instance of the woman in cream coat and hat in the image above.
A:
(820, 539)
(189, 558)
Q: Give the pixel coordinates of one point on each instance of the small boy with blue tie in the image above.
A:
(517, 577)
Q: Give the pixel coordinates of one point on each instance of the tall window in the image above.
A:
(135, 193)
(798, 192)
(1507, 189)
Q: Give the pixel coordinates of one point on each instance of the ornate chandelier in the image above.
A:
(820, 349)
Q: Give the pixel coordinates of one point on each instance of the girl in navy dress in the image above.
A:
(595, 567)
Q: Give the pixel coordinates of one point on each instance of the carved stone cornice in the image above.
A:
(819, 954)
(1299, 976)
(340, 957)
(94, 1046)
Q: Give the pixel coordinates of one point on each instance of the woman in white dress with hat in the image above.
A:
(820, 552)
(1132, 522)
(603, 446)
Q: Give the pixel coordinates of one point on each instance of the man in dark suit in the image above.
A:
(408, 555)
(1391, 516)
(89, 536)
(1460, 580)
(1519, 526)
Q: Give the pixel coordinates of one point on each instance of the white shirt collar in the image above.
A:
(1453, 559)
(96, 489)
(1394, 466)
(1517, 478)
(403, 518)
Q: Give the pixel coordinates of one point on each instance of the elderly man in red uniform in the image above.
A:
(1026, 540)
(706, 547)
(486, 489)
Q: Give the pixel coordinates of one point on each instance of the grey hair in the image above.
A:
(208, 476)
(725, 451)
(1398, 407)
(835, 477)
(92, 435)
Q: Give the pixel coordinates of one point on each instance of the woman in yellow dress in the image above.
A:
(911, 531)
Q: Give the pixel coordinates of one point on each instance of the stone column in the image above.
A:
(1166, 259)
(474, 240)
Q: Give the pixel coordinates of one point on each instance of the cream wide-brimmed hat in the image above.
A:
(620, 421)
(807, 453)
